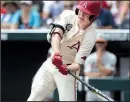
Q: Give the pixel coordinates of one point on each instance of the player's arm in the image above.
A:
(55, 43)
(85, 49)
(56, 32)
(56, 39)
(55, 36)
(74, 67)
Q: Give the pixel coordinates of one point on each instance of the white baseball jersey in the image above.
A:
(77, 43)
(109, 61)
(75, 46)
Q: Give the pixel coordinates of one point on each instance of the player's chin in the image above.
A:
(82, 25)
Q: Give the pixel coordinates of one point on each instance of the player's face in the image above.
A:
(83, 20)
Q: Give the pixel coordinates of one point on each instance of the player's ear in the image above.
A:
(76, 11)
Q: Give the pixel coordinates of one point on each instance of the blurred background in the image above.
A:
(24, 47)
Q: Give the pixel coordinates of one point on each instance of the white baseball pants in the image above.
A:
(47, 79)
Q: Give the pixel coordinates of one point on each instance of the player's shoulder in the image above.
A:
(111, 55)
(91, 32)
(67, 13)
(92, 29)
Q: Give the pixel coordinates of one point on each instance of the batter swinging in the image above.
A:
(72, 38)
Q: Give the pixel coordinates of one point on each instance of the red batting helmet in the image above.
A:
(90, 7)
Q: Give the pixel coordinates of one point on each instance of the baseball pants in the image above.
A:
(47, 79)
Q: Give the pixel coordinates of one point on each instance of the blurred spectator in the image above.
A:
(120, 12)
(39, 6)
(9, 8)
(51, 10)
(56, 9)
(115, 8)
(3, 10)
(107, 4)
(46, 8)
(101, 63)
(69, 5)
(26, 18)
(105, 20)
(114, 14)
(123, 19)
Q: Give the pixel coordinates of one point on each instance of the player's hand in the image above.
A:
(57, 60)
(63, 69)
(74, 67)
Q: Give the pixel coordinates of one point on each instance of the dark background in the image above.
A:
(21, 59)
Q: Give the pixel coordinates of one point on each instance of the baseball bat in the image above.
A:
(91, 88)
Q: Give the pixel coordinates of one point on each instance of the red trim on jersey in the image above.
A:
(84, 57)
(75, 89)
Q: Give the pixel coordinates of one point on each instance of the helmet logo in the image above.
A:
(85, 4)
(68, 27)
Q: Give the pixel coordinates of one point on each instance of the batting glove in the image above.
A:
(57, 60)
(63, 69)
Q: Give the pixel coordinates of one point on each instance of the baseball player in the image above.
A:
(72, 38)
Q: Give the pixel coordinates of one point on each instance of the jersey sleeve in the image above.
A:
(61, 21)
(86, 47)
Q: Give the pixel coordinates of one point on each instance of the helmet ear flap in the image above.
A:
(76, 11)
(92, 18)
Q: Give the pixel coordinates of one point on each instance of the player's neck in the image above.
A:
(82, 28)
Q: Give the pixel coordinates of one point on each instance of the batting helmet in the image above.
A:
(90, 7)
